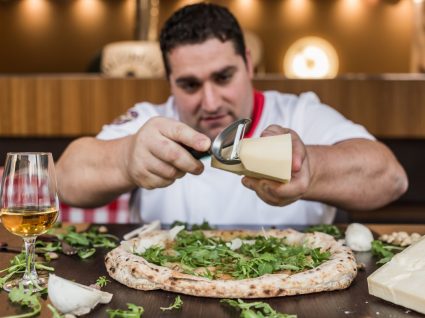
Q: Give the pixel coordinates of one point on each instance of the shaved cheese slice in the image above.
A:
(154, 225)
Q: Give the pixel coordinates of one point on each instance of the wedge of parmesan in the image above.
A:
(402, 280)
(265, 157)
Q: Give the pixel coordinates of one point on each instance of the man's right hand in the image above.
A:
(156, 157)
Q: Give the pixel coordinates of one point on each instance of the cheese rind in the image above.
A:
(402, 280)
(265, 157)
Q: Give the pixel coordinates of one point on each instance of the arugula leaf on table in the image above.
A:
(86, 242)
(45, 247)
(17, 266)
(384, 251)
(133, 311)
(86, 252)
(178, 303)
(27, 299)
(55, 312)
(75, 238)
(102, 281)
(325, 228)
(256, 309)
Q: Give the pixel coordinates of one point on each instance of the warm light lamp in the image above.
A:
(311, 57)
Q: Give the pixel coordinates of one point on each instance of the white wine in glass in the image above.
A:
(29, 206)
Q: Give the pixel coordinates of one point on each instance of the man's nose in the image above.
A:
(210, 98)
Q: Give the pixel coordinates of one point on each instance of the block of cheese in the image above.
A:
(402, 280)
(265, 157)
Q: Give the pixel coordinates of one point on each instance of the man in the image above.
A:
(335, 162)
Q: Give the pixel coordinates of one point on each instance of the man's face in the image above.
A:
(211, 85)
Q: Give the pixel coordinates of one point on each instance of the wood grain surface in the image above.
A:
(75, 105)
(352, 302)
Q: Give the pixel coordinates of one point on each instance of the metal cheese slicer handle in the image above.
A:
(222, 141)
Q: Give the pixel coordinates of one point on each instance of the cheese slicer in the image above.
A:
(226, 146)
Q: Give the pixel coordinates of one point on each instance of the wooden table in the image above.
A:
(352, 302)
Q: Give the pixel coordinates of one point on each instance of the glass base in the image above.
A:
(33, 285)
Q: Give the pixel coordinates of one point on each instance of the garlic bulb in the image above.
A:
(358, 237)
(73, 298)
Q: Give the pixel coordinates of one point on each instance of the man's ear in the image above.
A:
(249, 65)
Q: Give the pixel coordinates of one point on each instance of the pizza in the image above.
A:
(233, 264)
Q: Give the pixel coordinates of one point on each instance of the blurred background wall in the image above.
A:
(51, 36)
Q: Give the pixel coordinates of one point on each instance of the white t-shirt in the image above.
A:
(218, 196)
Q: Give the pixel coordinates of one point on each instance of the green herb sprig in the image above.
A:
(203, 226)
(55, 312)
(17, 266)
(325, 228)
(27, 299)
(133, 311)
(86, 242)
(256, 309)
(384, 251)
(178, 303)
(102, 281)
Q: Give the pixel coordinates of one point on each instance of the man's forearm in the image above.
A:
(355, 174)
(91, 172)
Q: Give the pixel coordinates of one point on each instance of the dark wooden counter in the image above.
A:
(352, 302)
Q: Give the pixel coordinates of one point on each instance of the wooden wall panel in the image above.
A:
(69, 106)
(390, 107)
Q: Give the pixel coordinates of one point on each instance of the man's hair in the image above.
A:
(197, 23)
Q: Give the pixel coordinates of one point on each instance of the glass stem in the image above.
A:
(30, 276)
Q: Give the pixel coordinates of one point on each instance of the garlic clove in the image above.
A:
(73, 298)
(358, 237)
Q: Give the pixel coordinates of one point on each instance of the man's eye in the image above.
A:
(190, 87)
(223, 78)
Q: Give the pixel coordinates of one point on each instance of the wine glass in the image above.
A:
(29, 206)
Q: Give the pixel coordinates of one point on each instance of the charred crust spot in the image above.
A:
(150, 277)
(252, 286)
(106, 258)
(250, 294)
(173, 278)
(127, 259)
(133, 270)
(156, 270)
(266, 291)
(112, 269)
(350, 258)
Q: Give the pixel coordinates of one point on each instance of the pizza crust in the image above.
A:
(336, 273)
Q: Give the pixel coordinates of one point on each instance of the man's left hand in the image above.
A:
(281, 194)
